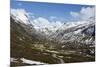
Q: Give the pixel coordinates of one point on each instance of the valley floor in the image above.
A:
(47, 56)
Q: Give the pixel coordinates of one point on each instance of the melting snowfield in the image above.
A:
(26, 61)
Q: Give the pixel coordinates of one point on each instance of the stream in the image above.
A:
(60, 59)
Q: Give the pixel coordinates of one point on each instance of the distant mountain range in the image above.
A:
(46, 41)
(81, 31)
(25, 32)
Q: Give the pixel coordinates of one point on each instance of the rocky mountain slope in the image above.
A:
(31, 38)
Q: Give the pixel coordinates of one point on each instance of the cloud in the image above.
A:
(53, 17)
(43, 22)
(84, 14)
(74, 14)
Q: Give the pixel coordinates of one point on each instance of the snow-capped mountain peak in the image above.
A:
(47, 27)
(40, 24)
(20, 15)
